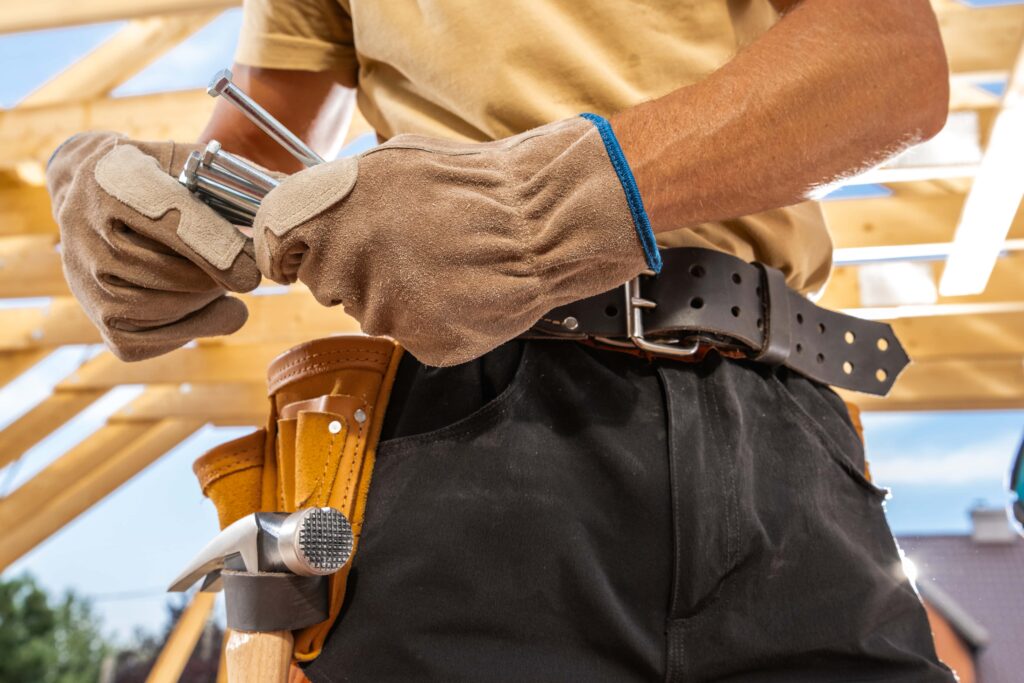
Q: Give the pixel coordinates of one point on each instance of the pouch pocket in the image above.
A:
(231, 475)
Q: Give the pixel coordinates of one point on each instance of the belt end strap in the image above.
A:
(777, 338)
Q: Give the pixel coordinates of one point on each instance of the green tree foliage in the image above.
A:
(44, 640)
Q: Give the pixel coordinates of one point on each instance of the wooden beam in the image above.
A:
(979, 39)
(955, 384)
(63, 472)
(219, 404)
(962, 337)
(182, 640)
(33, 133)
(38, 423)
(131, 50)
(1005, 285)
(43, 14)
(14, 363)
(218, 363)
(30, 134)
(994, 201)
(81, 478)
(25, 210)
(30, 267)
(287, 318)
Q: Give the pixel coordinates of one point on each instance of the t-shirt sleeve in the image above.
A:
(304, 35)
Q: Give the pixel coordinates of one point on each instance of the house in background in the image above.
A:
(973, 587)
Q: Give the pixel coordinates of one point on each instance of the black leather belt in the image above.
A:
(704, 296)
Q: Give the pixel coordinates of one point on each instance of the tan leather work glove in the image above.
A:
(147, 260)
(453, 248)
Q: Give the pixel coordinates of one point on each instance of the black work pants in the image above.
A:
(554, 512)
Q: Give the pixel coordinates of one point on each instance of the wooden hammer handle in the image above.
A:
(254, 657)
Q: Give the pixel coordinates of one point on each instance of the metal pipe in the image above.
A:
(215, 157)
(231, 180)
(232, 213)
(221, 85)
(228, 195)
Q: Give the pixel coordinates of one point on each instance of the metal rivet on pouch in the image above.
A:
(359, 415)
(334, 427)
(570, 323)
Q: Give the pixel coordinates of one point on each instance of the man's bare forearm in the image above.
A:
(310, 104)
(835, 87)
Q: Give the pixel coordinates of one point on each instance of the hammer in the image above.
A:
(273, 568)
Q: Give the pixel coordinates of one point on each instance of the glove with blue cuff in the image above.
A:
(453, 248)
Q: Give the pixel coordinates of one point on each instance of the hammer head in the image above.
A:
(219, 82)
(309, 542)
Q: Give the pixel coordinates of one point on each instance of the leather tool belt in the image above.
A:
(704, 297)
(327, 402)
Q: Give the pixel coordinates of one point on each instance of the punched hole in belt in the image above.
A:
(821, 328)
(848, 367)
(737, 279)
(881, 375)
(820, 358)
(850, 337)
(735, 311)
(883, 344)
(611, 311)
(799, 318)
(697, 270)
(697, 302)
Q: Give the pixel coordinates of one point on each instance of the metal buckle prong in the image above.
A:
(635, 306)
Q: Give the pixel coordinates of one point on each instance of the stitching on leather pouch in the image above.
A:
(281, 378)
(251, 451)
(208, 476)
(280, 374)
(348, 499)
(327, 463)
(367, 355)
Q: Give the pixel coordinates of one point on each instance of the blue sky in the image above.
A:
(938, 464)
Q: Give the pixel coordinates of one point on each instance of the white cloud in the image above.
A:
(987, 460)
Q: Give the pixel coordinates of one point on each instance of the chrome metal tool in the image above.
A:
(221, 85)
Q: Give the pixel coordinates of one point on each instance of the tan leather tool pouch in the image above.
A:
(327, 404)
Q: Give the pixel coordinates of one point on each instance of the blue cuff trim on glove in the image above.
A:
(636, 205)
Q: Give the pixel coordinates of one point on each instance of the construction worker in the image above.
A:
(554, 501)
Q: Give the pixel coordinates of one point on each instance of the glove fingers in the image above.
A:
(224, 315)
(168, 213)
(130, 264)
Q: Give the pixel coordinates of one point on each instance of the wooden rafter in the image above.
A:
(182, 640)
(81, 478)
(287, 318)
(43, 14)
(13, 364)
(1006, 284)
(955, 384)
(33, 133)
(38, 423)
(130, 51)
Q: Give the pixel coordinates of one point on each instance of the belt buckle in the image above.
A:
(635, 306)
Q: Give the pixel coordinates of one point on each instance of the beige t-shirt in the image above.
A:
(482, 70)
